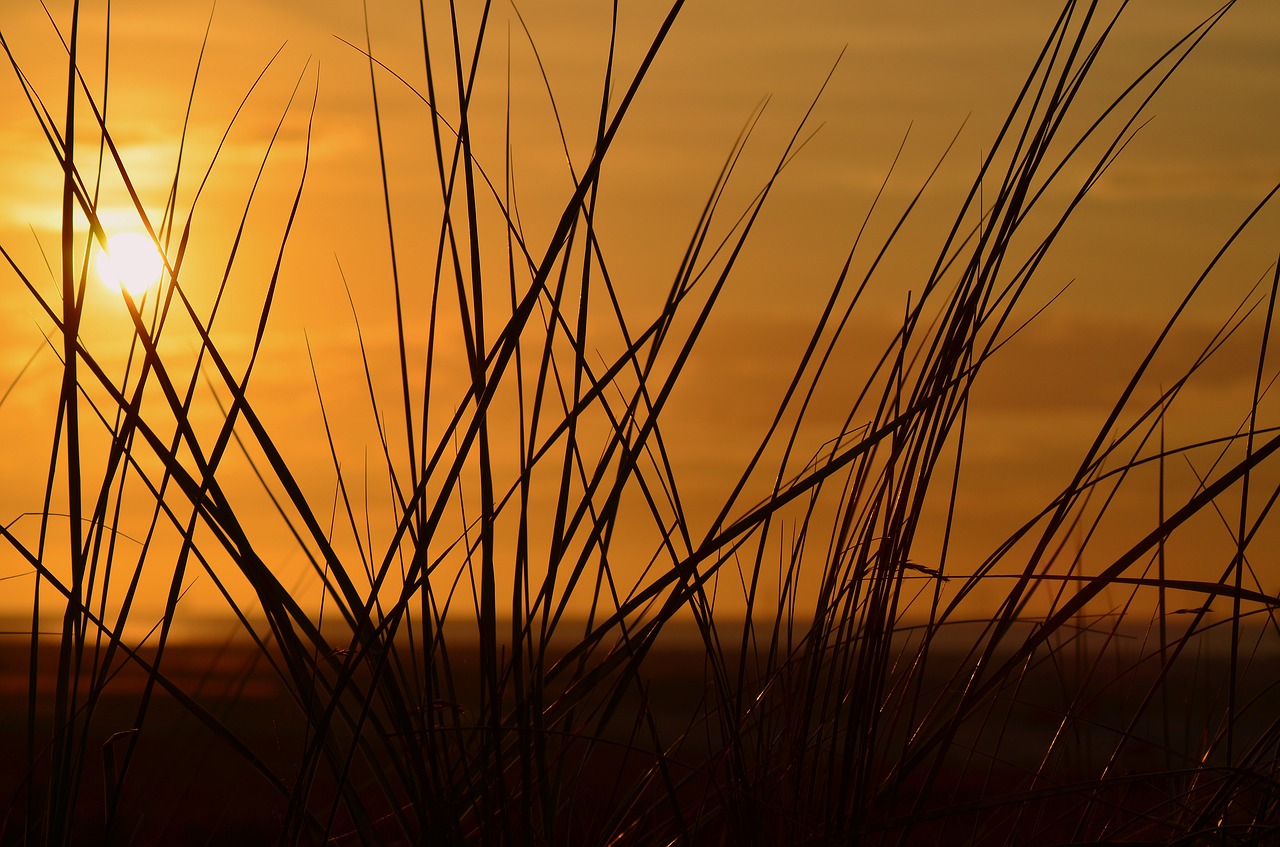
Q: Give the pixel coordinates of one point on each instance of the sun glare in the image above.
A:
(130, 263)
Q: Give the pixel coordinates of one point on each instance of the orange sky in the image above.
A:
(1134, 247)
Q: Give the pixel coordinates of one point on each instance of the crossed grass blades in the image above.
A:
(501, 661)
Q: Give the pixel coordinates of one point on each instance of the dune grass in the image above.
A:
(502, 662)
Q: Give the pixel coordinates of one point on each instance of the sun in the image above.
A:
(130, 263)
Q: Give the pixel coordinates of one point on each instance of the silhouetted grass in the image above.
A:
(503, 661)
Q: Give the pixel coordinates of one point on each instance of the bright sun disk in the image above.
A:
(131, 263)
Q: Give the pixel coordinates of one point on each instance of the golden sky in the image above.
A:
(922, 70)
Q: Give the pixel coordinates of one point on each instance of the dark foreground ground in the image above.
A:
(187, 786)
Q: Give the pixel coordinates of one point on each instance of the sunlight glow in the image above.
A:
(130, 263)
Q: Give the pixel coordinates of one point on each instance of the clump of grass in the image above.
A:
(502, 661)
